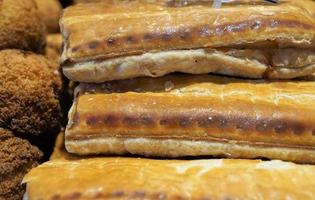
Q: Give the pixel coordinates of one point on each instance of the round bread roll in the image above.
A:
(17, 157)
(50, 11)
(21, 26)
(30, 89)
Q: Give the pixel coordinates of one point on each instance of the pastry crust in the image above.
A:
(197, 109)
(153, 39)
(135, 178)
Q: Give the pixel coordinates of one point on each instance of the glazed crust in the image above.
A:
(21, 26)
(203, 108)
(135, 178)
(30, 89)
(120, 44)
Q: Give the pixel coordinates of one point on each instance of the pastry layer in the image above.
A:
(132, 39)
(193, 108)
(134, 178)
(262, 63)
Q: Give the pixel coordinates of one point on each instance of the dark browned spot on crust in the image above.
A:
(93, 44)
(184, 34)
(221, 122)
(73, 196)
(313, 132)
(167, 36)
(91, 120)
(148, 37)
(56, 197)
(110, 120)
(130, 39)
(139, 194)
(205, 122)
(185, 121)
(146, 120)
(111, 42)
(280, 127)
(178, 197)
(243, 124)
(118, 193)
(262, 126)
(167, 121)
(298, 129)
(130, 121)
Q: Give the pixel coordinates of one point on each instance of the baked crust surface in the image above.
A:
(193, 108)
(132, 39)
(135, 178)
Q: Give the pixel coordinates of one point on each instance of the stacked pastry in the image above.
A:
(122, 53)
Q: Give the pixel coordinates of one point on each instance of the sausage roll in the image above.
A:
(135, 178)
(190, 115)
(255, 39)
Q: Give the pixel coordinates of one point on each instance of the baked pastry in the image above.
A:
(130, 39)
(135, 178)
(60, 151)
(189, 115)
(53, 47)
(21, 26)
(50, 11)
(30, 89)
(17, 157)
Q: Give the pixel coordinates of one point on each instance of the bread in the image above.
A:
(50, 11)
(21, 26)
(131, 39)
(132, 178)
(181, 115)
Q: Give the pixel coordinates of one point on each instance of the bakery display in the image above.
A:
(21, 26)
(17, 157)
(29, 93)
(132, 178)
(50, 11)
(132, 39)
(189, 115)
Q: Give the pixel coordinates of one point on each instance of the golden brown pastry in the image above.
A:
(60, 151)
(21, 26)
(181, 115)
(135, 178)
(50, 12)
(53, 47)
(109, 41)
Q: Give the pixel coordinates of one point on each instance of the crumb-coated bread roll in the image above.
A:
(21, 26)
(29, 93)
(50, 11)
(17, 157)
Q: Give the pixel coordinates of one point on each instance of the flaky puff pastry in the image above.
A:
(119, 40)
(181, 115)
(132, 178)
